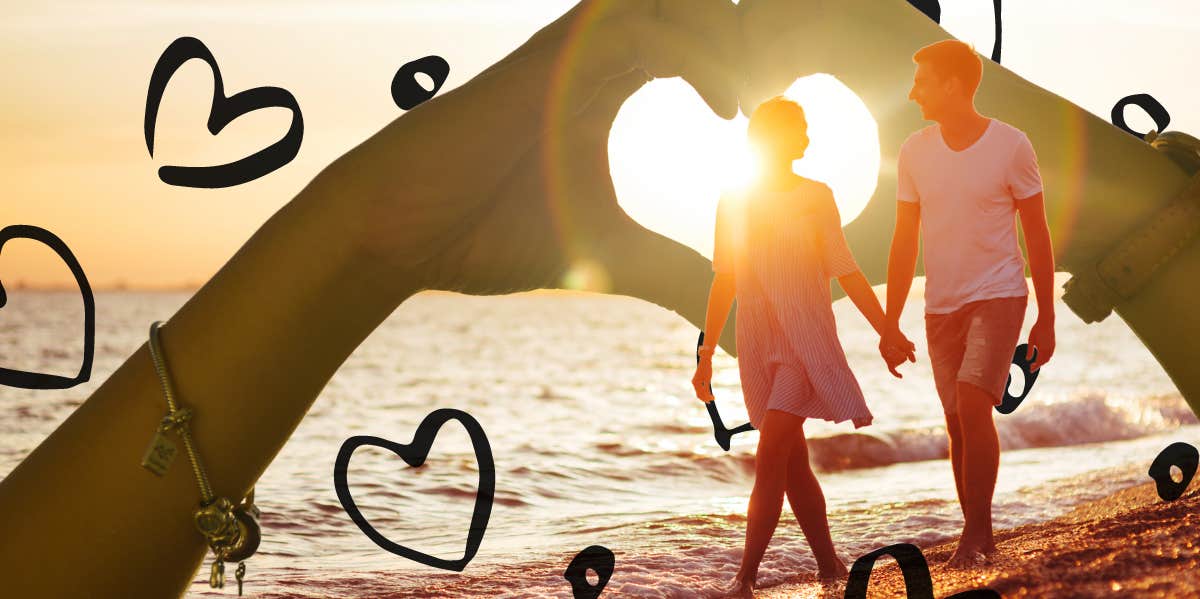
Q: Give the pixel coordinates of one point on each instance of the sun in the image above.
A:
(671, 158)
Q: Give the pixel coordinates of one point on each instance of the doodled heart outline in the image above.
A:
(37, 380)
(222, 112)
(414, 454)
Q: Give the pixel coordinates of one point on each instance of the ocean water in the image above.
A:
(597, 439)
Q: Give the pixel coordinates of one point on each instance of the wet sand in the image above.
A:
(1129, 544)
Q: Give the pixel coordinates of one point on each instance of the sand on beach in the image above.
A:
(1129, 544)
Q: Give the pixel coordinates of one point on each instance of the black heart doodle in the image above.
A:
(407, 93)
(1010, 403)
(594, 557)
(414, 454)
(1183, 455)
(933, 10)
(917, 582)
(1146, 102)
(723, 435)
(37, 380)
(223, 111)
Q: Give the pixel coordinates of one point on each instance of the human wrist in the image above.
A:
(891, 326)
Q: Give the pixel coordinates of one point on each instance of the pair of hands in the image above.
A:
(502, 185)
(896, 349)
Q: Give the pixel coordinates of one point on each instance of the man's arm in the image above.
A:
(1041, 267)
(902, 261)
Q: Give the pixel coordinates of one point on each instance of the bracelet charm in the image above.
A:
(159, 454)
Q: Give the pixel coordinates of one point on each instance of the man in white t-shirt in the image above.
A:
(962, 181)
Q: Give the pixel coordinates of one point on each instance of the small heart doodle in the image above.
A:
(599, 559)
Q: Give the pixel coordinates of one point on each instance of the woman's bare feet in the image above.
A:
(973, 550)
(969, 554)
(739, 589)
(832, 572)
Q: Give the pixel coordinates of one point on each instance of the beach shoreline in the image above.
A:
(1128, 544)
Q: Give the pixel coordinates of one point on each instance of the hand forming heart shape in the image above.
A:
(534, 203)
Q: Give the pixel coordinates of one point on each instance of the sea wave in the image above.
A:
(1087, 417)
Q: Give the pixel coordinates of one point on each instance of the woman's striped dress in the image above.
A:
(783, 248)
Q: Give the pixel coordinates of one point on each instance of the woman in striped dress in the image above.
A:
(777, 246)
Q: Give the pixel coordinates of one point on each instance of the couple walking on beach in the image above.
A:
(960, 181)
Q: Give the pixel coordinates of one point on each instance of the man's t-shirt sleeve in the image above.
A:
(906, 189)
(1023, 177)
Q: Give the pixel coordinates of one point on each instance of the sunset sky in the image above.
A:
(73, 159)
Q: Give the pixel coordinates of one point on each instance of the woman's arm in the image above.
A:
(720, 299)
(248, 353)
(860, 292)
(451, 195)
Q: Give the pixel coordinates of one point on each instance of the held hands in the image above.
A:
(502, 184)
(896, 349)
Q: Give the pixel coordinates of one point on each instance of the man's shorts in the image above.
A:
(975, 344)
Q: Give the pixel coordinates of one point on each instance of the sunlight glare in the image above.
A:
(670, 157)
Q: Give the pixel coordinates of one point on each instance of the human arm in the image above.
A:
(452, 195)
(902, 261)
(840, 263)
(1032, 213)
(721, 294)
(720, 299)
